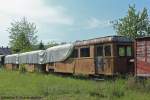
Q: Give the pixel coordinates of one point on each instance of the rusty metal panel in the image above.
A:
(143, 56)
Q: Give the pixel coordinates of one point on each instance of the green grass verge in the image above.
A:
(51, 87)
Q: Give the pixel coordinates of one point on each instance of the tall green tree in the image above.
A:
(52, 43)
(22, 35)
(134, 24)
(41, 46)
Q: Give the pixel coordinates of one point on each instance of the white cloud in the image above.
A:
(35, 10)
(93, 23)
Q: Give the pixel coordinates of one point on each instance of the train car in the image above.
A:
(32, 61)
(56, 58)
(142, 57)
(11, 62)
(2, 60)
(101, 56)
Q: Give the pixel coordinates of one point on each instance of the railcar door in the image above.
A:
(99, 61)
(124, 56)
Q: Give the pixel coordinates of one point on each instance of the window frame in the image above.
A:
(81, 52)
(121, 46)
(125, 46)
(131, 50)
(111, 53)
(73, 53)
(96, 54)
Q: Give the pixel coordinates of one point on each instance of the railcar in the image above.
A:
(32, 61)
(2, 57)
(57, 58)
(11, 62)
(142, 57)
(101, 56)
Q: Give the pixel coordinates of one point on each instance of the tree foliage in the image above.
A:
(134, 24)
(41, 46)
(52, 43)
(22, 35)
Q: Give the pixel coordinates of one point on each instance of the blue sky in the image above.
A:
(66, 20)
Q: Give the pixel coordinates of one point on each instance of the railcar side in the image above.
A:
(142, 57)
(100, 56)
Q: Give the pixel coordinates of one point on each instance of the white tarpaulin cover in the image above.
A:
(58, 53)
(33, 57)
(11, 59)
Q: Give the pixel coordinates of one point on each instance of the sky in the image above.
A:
(66, 20)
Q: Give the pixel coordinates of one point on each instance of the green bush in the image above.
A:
(139, 84)
(117, 88)
(22, 68)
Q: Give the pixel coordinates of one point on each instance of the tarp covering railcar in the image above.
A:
(58, 53)
(12, 59)
(33, 57)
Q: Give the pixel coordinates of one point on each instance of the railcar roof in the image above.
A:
(59, 53)
(12, 55)
(59, 47)
(104, 40)
(142, 38)
(1, 55)
(31, 52)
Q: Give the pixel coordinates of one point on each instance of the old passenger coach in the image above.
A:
(106, 55)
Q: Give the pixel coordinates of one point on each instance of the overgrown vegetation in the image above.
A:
(22, 68)
(53, 87)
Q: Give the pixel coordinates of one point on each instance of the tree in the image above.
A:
(22, 35)
(134, 24)
(52, 43)
(41, 46)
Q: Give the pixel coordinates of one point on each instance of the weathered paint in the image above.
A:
(142, 54)
(112, 65)
(11, 66)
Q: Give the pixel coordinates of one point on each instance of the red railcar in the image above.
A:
(142, 57)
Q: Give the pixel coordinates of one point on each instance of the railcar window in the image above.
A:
(75, 53)
(122, 51)
(129, 51)
(85, 52)
(99, 51)
(107, 50)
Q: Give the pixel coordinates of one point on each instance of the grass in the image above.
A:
(52, 87)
